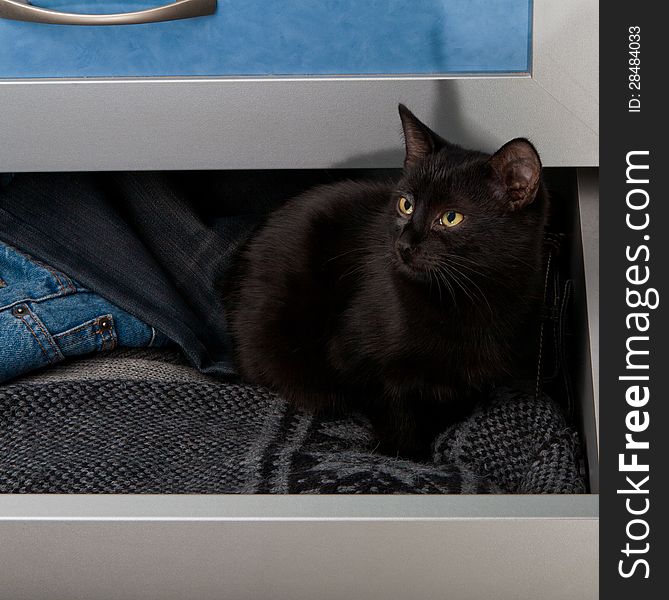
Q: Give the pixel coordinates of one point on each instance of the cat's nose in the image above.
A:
(406, 251)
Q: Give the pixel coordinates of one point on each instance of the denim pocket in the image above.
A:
(45, 316)
(96, 335)
(31, 345)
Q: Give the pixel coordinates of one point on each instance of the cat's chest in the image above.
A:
(434, 344)
(447, 346)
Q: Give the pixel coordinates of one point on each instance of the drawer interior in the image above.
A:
(254, 193)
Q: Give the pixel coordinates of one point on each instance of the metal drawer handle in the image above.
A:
(16, 10)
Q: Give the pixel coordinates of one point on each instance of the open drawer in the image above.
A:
(332, 546)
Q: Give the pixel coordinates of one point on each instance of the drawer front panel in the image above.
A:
(277, 38)
(520, 559)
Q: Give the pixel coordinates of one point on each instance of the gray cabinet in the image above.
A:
(316, 547)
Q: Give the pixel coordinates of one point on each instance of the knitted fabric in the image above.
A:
(516, 441)
(143, 422)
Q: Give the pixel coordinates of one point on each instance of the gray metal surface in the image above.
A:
(587, 381)
(588, 194)
(19, 10)
(82, 507)
(118, 547)
(303, 560)
(136, 124)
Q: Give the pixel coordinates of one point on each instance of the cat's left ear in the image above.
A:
(517, 168)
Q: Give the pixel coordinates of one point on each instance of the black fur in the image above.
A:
(341, 302)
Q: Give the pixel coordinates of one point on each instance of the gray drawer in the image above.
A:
(307, 547)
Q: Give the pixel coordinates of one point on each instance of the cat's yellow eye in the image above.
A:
(405, 206)
(451, 218)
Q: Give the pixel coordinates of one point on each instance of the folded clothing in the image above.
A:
(46, 316)
(137, 240)
(145, 422)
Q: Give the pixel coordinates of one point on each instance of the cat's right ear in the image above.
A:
(419, 140)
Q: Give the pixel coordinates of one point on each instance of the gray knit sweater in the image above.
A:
(144, 422)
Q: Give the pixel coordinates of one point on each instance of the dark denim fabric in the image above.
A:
(46, 316)
(135, 239)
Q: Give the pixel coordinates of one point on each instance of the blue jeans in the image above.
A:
(46, 316)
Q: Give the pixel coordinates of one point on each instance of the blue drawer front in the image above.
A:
(278, 37)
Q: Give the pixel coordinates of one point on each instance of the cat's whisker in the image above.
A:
(352, 271)
(463, 286)
(465, 262)
(457, 261)
(444, 278)
(481, 292)
(364, 249)
(510, 259)
(431, 272)
(471, 293)
(364, 265)
(498, 280)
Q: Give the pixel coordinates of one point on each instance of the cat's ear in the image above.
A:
(419, 140)
(517, 168)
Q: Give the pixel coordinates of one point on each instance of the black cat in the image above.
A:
(405, 300)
